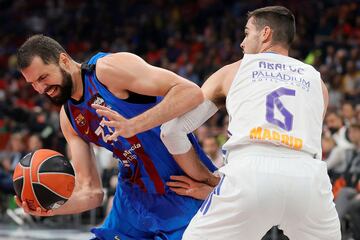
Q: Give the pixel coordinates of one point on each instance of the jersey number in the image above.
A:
(272, 101)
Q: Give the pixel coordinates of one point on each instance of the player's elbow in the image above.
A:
(174, 137)
(169, 130)
(197, 95)
(97, 197)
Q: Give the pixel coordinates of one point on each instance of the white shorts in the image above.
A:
(263, 187)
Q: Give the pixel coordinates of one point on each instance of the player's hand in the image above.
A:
(38, 212)
(185, 186)
(122, 126)
(213, 180)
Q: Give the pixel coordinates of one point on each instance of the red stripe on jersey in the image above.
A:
(149, 166)
(136, 177)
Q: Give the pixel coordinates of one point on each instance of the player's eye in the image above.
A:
(42, 77)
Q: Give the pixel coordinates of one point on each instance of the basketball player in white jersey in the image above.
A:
(274, 173)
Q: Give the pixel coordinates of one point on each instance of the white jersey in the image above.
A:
(276, 99)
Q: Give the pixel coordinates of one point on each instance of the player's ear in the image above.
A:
(266, 34)
(64, 60)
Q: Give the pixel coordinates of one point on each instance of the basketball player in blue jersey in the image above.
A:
(143, 206)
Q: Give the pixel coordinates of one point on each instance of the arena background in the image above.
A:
(191, 38)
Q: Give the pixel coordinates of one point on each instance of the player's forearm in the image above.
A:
(80, 201)
(194, 168)
(180, 99)
(174, 136)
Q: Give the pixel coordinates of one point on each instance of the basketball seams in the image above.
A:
(31, 183)
(23, 186)
(53, 191)
(60, 173)
(38, 169)
(15, 179)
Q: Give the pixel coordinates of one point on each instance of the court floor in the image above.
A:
(13, 232)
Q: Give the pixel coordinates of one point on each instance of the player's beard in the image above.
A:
(65, 89)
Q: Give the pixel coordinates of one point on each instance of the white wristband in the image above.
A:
(174, 133)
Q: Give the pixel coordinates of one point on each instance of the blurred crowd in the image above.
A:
(193, 39)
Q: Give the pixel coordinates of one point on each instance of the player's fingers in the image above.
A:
(38, 211)
(25, 207)
(182, 179)
(110, 114)
(107, 114)
(178, 184)
(114, 136)
(100, 107)
(179, 191)
(111, 123)
(49, 213)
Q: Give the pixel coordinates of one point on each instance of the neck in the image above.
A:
(275, 49)
(77, 81)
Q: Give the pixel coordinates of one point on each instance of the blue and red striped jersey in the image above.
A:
(144, 162)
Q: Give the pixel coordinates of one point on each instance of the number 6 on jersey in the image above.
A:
(272, 100)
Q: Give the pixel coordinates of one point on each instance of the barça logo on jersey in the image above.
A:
(80, 120)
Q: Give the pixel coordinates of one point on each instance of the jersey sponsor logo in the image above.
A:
(265, 134)
(280, 73)
(97, 99)
(278, 66)
(129, 153)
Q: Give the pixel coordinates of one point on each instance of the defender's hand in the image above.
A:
(185, 186)
(122, 126)
(38, 212)
(214, 180)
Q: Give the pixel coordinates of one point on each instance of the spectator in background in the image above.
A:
(333, 155)
(6, 184)
(17, 148)
(34, 143)
(211, 148)
(348, 200)
(348, 113)
(351, 82)
(337, 129)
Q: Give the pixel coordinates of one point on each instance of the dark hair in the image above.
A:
(39, 45)
(355, 125)
(280, 19)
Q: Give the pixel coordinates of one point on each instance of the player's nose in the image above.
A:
(40, 88)
(242, 45)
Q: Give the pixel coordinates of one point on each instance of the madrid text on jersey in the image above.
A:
(264, 134)
(281, 73)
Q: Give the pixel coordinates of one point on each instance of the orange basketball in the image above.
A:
(45, 179)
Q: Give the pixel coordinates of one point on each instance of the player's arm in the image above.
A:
(124, 72)
(174, 133)
(186, 186)
(88, 192)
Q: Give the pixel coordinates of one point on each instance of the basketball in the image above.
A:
(45, 179)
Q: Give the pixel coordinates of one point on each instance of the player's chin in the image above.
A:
(58, 100)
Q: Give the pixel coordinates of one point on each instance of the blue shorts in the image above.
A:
(139, 215)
